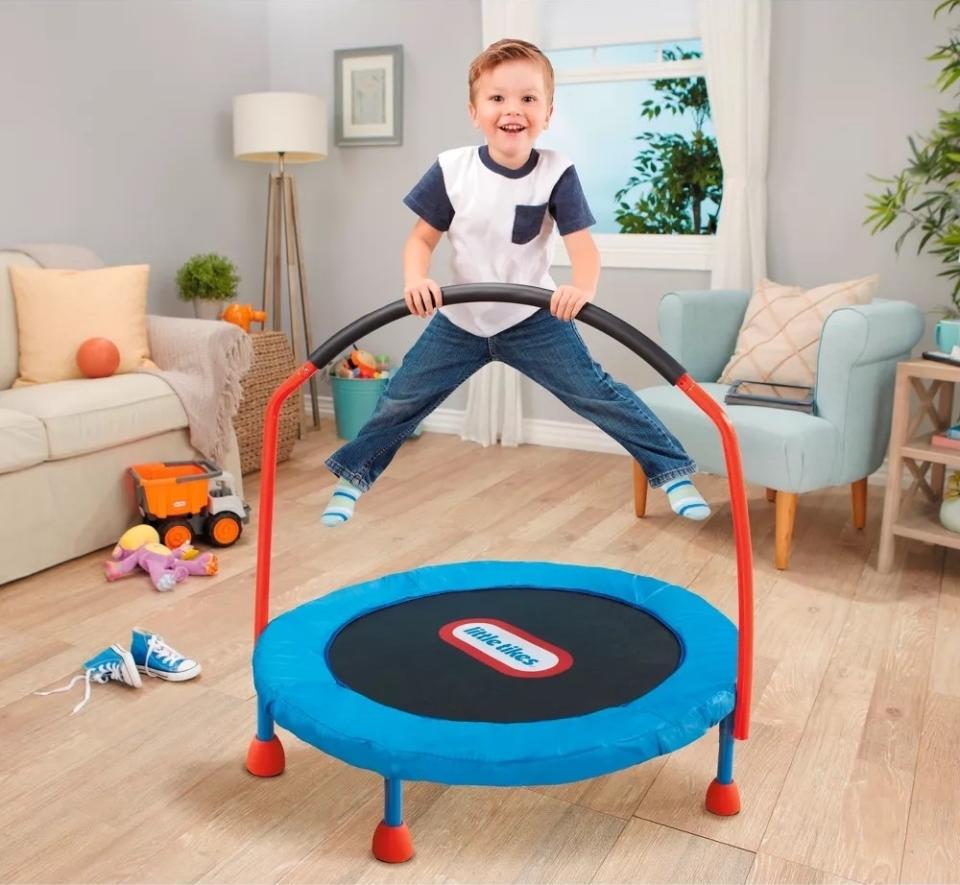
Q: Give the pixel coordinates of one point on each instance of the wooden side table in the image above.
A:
(915, 513)
(272, 363)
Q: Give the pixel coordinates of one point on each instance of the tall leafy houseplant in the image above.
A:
(207, 280)
(927, 192)
(682, 173)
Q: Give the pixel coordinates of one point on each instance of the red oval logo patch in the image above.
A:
(506, 648)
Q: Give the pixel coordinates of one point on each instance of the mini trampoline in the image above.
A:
(501, 673)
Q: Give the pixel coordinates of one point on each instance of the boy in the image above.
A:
(498, 205)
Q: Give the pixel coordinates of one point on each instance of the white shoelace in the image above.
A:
(157, 648)
(101, 674)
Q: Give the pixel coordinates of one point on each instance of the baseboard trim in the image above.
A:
(554, 434)
(536, 431)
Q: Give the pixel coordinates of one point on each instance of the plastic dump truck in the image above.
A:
(185, 499)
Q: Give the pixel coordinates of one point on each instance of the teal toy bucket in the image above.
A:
(354, 400)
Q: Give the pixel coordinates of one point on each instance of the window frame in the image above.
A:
(646, 251)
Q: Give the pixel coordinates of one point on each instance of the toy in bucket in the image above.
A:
(357, 382)
(181, 499)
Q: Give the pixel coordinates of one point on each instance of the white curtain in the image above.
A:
(494, 407)
(736, 48)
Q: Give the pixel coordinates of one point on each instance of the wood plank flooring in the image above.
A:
(852, 772)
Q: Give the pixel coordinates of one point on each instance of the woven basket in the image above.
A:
(272, 363)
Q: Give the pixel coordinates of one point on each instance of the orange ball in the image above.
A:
(98, 357)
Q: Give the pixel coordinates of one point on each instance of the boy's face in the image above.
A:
(510, 106)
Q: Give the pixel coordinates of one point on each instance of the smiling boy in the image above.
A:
(500, 205)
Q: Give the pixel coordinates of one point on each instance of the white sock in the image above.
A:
(685, 500)
(341, 503)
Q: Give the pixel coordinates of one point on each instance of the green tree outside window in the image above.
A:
(678, 174)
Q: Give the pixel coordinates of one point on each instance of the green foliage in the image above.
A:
(209, 276)
(927, 192)
(682, 173)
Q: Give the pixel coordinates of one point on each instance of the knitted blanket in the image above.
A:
(202, 361)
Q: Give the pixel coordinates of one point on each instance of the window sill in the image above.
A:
(648, 251)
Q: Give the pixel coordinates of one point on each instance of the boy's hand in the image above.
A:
(423, 297)
(567, 301)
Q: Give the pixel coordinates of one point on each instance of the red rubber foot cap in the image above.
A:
(723, 799)
(392, 844)
(265, 758)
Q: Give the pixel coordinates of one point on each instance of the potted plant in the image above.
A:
(208, 280)
(927, 192)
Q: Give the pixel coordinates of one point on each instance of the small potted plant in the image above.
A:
(208, 280)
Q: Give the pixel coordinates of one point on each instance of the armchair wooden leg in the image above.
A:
(786, 513)
(639, 490)
(858, 493)
(771, 495)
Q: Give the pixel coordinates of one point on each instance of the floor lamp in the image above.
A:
(283, 128)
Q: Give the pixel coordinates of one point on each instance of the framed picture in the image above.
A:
(368, 106)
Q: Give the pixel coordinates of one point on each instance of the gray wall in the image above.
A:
(849, 82)
(116, 131)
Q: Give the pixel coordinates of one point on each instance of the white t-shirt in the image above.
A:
(501, 224)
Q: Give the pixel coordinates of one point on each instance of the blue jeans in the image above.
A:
(545, 349)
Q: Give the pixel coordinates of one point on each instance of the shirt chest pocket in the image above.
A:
(527, 223)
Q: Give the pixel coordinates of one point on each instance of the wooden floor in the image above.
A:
(851, 772)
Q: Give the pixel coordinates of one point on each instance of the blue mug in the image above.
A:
(947, 335)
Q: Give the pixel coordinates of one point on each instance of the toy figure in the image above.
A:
(242, 315)
(359, 364)
(140, 546)
(950, 508)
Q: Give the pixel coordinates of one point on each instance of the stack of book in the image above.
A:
(949, 439)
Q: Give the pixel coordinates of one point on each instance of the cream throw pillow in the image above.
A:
(780, 336)
(57, 310)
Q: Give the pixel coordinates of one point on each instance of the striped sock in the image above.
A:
(686, 500)
(341, 503)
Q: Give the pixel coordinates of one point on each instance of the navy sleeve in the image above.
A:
(429, 199)
(568, 205)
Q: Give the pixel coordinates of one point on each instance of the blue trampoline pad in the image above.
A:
(499, 673)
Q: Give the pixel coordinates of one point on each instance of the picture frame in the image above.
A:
(368, 103)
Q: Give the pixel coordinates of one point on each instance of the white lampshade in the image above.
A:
(268, 123)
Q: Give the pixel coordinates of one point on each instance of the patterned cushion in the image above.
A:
(780, 335)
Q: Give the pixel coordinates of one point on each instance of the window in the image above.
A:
(635, 118)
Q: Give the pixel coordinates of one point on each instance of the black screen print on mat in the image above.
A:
(395, 655)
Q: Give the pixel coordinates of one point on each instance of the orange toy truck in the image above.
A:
(183, 499)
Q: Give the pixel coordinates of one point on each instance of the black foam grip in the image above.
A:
(592, 315)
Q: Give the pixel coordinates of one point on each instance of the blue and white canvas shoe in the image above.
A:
(154, 657)
(114, 664)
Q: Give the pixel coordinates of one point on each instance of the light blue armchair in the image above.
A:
(788, 452)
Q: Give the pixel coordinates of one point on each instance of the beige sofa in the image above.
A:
(65, 447)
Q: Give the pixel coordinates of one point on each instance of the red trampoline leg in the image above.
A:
(391, 839)
(265, 757)
(723, 797)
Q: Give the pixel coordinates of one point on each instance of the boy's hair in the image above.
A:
(510, 49)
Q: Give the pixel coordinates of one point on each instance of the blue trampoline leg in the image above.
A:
(391, 839)
(392, 802)
(264, 722)
(723, 797)
(265, 757)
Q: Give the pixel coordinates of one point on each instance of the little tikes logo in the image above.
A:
(506, 648)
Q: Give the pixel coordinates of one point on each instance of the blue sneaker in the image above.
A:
(114, 664)
(155, 658)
